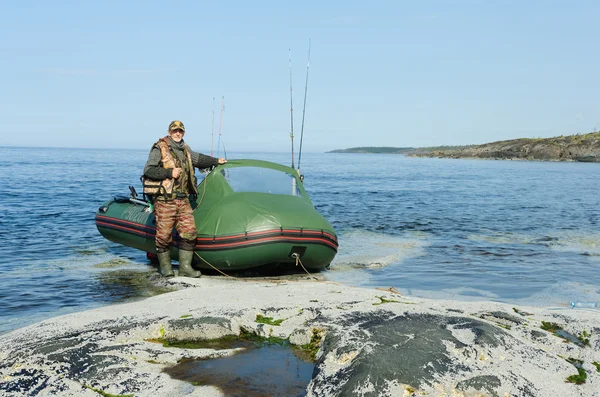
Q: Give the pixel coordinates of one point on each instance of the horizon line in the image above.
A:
(140, 149)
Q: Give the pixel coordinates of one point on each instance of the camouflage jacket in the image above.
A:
(156, 169)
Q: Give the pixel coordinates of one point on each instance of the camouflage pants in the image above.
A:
(174, 213)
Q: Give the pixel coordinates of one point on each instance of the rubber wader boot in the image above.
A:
(185, 264)
(164, 264)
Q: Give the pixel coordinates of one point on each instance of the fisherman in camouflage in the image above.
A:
(169, 178)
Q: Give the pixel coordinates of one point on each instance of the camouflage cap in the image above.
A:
(176, 125)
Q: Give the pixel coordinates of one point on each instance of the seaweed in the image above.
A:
(254, 337)
(581, 376)
(383, 300)
(521, 312)
(306, 352)
(268, 320)
(550, 327)
(105, 394)
(584, 337)
(582, 340)
(575, 361)
(578, 379)
(228, 341)
(501, 325)
(196, 344)
(312, 348)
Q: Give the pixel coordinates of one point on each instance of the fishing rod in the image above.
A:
(226, 169)
(303, 112)
(220, 125)
(212, 139)
(291, 110)
(224, 150)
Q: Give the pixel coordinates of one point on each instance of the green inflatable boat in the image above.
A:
(249, 214)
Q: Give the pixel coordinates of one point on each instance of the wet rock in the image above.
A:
(301, 337)
(538, 336)
(364, 342)
(410, 349)
(25, 381)
(183, 329)
(485, 383)
(505, 317)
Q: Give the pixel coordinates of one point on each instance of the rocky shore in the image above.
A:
(583, 147)
(362, 342)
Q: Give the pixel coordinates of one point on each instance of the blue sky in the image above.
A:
(395, 73)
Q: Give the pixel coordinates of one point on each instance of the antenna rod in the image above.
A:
(291, 111)
(220, 125)
(212, 139)
(304, 108)
(224, 150)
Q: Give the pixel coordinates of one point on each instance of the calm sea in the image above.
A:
(510, 231)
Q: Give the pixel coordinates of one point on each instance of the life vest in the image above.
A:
(169, 160)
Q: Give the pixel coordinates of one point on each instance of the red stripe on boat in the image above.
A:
(305, 240)
(136, 229)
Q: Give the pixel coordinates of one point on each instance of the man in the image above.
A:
(169, 178)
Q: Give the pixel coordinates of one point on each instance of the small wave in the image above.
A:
(115, 262)
(90, 251)
(483, 252)
(78, 263)
(584, 243)
(562, 294)
(545, 240)
(501, 238)
(469, 292)
(364, 249)
(50, 215)
(457, 294)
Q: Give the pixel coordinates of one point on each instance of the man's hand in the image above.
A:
(222, 160)
(176, 172)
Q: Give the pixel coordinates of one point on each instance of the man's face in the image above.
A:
(177, 135)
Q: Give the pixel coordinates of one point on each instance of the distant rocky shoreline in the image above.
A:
(580, 148)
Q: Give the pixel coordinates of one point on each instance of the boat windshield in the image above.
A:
(261, 180)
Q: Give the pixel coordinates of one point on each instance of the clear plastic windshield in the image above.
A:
(261, 180)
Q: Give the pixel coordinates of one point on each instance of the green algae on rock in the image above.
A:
(582, 340)
(550, 327)
(311, 349)
(105, 394)
(383, 300)
(581, 375)
(584, 337)
(579, 378)
(268, 320)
